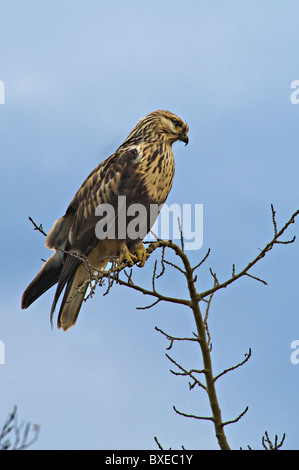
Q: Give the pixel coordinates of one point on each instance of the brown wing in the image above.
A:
(116, 176)
(109, 179)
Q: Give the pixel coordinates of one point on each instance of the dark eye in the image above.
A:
(177, 124)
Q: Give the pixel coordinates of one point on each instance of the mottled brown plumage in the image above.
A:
(140, 171)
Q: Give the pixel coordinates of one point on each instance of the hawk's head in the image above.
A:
(160, 124)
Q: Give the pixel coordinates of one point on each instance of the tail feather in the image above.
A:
(72, 299)
(74, 294)
(66, 277)
(69, 273)
(46, 278)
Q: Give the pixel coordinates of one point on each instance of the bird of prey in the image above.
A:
(139, 172)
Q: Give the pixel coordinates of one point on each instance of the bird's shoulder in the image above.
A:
(106, 176)
(115, 176)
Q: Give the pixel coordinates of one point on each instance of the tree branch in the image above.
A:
(275, 240)
(193, 302)
(247, 357)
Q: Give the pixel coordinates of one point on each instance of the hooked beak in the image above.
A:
(184, 138)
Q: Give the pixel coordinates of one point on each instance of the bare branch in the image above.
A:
(162, 263)
(181, 234)
(274, 221)
(262, 253)
(269, 445)
(216, 282)
(12, 436)
(158, 443)
(202, 337)
(39, 228)
(287, 242)
(247, 357)
(257, 279)
(173, 338)
(234, 271)
(206, 418)
(202, 261)
(189, 373)
(149, 306)
(151, 293)
(175, 266)
(129, 276)
(237, 418)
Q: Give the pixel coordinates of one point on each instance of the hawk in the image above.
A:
(139, 172)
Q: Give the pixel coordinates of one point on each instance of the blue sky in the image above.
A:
(78, 75)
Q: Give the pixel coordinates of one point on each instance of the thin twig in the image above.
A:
(206, 418)
(237, 418)
(268, 444)
(257, 278)
(39, 228)
(162, 263)
(187, 373)
(181, 234)
(158, 443)
(261, 254)
(175, 266)
(247, 357)
(202, 261)
(149, 306)
(173, 338)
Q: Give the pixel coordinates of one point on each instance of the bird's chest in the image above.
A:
(158, 173)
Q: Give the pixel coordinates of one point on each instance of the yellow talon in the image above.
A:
(138, 255)
(129, 257)
(125, 255)
(141, 254)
